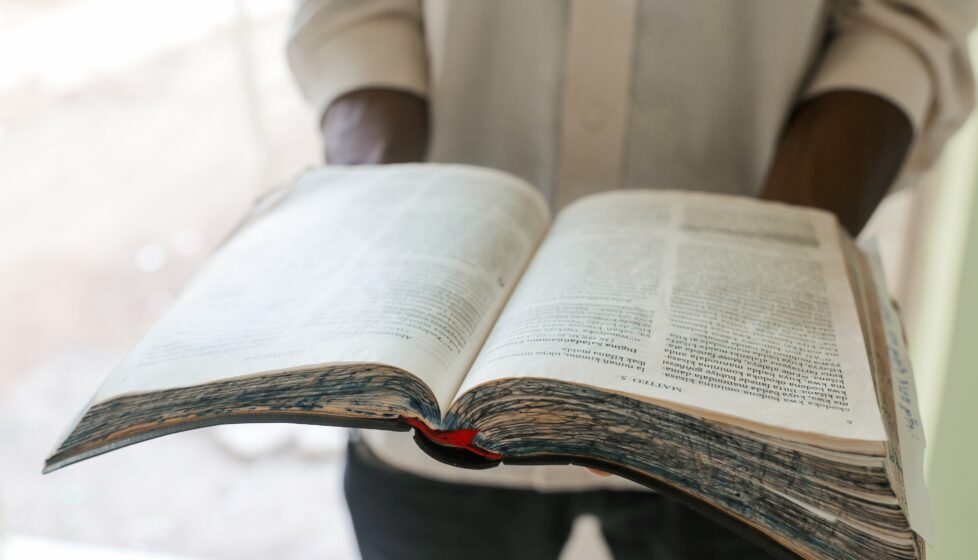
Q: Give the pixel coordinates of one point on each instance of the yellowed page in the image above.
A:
(724, 304)
(406, 266)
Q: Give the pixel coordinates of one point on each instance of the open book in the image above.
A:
(739, 355)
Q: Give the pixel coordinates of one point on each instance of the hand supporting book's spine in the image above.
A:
(452, 438)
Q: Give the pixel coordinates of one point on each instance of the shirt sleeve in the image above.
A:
(338, 46)
(913, 53)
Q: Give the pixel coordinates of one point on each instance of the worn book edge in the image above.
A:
(910, 433)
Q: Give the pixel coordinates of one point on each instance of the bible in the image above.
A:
(740, 356)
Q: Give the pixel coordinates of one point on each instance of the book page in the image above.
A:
(727, 305)
(405, 266)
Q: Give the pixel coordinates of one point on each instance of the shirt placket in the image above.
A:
(596, 94)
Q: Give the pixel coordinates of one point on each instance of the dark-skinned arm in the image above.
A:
(840, 152)
(372, 126)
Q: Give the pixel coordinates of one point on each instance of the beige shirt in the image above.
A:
(580, 96)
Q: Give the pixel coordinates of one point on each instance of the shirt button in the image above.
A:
(594, 118)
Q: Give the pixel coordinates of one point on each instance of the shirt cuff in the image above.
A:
(385, 53)
(874, 62)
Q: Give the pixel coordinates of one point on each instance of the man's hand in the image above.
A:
(375, 126)
(841, 152)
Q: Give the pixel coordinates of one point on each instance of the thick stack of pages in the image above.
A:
(741, 356)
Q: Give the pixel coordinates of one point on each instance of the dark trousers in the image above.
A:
(397, 515)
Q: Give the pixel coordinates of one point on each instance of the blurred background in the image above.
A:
(133, 135)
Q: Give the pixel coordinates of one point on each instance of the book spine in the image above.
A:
(452, 438)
